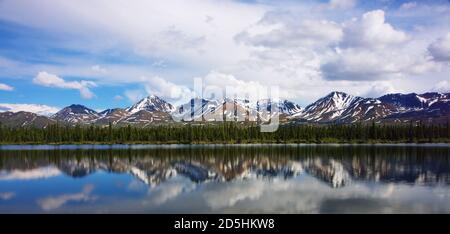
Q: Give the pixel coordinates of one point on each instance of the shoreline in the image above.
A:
(436, 141)
(5, 147)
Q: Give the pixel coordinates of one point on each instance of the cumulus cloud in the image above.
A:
(372, 31)
(440, 49)
(305, 55)
(372, 49)
(300, 46)
(355, 64)
(34, 108)
(231, 86)
(50, 80)
(6, 87)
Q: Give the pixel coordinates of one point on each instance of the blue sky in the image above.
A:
(110, 53)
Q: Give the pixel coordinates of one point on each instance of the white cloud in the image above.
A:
(34, 108)
(357, 64)
(229, 195)
(341, 4)
(440, 49)
(308, 56)
(232, 85)
(371, 31)
(310, 195)
(408, 5)
(6, 87)
(166, 89)
(118, 98)
(379, 89)
(306, 33)
(37, 173)
(50, 80)
(172, 29)
(99, 69)
(373, 50)
(51, 203)
(169, 190)
(442, 86)
(7, 195)
(292, 45)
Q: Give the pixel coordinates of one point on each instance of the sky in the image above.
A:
(111, 53)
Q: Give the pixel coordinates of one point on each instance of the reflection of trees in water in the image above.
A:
(336, 166)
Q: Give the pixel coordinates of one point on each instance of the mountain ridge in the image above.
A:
(335, 107)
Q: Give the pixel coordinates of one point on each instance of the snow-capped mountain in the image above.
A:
(404, 101)
(289, 107)
(339, 107)
(76, 114)
(413, 101)
(367, 109)
(328, 108)
(241, 109)
(151, 103)
(336, 107)
(112, 116)
(281, 106)
(145, 117)
(436, 109)
(195, 109)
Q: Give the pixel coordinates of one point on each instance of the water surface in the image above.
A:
(225, 179)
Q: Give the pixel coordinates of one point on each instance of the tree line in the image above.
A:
(227, 132)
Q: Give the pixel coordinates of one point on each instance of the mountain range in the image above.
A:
(336, 107)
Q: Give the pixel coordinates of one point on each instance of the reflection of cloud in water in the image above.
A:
(288, 180)
(169, 190)
(7, 195)
(37, 173)
(51, 203)
(136, 186)
(228, 194)
(308, 195)
(304, 194)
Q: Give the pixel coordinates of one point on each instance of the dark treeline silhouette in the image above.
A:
(228, 132)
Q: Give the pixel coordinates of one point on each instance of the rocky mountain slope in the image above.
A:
(24, 119)
(76, 114)
(336, 107)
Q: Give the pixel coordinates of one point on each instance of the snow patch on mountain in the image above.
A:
(151, 103)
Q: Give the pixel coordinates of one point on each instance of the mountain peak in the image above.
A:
(329, 107)
(76, 113)
(338, 94)
(78, 108)
(151, 103)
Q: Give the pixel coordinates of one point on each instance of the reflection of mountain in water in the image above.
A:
(336, 166)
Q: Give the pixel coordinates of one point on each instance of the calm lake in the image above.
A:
(225, 179)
